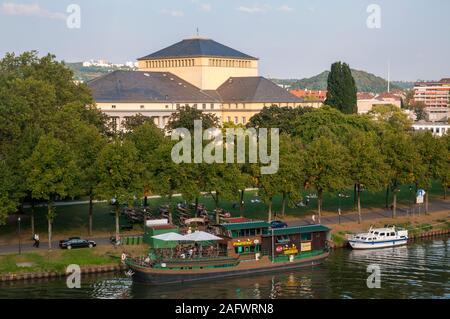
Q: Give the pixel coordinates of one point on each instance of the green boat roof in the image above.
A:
(246, 225)
(298, 230)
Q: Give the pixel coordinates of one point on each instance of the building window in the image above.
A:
(204, 106)
(244, 120)
(228, 118)
(236, 120)
(113, 106)
(142, 107)
(212, 106)
(178, 106)
(115, 123)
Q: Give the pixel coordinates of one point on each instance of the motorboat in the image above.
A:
(388, 236)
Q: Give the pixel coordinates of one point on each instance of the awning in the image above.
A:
(200, 236)
(170, 237)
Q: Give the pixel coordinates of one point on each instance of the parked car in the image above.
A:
(76, 242)
(278, 224)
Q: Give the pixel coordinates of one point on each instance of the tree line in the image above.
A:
(55, 144)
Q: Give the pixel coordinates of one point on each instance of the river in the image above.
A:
(419, 270)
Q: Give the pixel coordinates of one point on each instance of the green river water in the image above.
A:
(419, 270)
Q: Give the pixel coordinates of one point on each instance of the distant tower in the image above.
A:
(389, 76)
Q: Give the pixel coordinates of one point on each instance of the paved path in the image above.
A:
(433, 207)
(28, 246)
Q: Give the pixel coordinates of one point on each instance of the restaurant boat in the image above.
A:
(388, 236)
(227, 250)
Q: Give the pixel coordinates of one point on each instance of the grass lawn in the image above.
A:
(72, 220)
(57, 260)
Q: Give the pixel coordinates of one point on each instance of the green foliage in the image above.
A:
(51, 169)
(119, 171)
(365, 82)
(433, 156)
(326, 166)
(341, 92)
(7, 193)
(277, 117)
(39, 101)
(186, 116)
(391, 115)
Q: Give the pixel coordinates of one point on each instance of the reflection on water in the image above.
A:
(420, 270)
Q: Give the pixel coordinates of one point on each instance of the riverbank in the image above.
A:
(418, 226)
(50, 264)
(44, 264)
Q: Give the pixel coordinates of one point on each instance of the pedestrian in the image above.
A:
(36, 240)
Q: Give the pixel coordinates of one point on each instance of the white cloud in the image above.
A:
(285, 8)
(30, 10)
(254, 9)
(205, 7)
(173, 13)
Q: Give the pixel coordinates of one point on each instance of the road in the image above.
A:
(435, 206)
(28, 247)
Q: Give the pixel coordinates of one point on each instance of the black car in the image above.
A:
(76, 242)
(278, 224)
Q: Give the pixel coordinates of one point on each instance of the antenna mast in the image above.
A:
(389, 76)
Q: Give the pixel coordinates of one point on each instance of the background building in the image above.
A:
(436, 97)
(199, 73)
(366, 101)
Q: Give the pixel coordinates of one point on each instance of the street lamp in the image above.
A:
(20, 242)
(410, 201)
(339, 209)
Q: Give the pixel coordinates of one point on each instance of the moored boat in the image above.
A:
(388, 236)
(242, 249)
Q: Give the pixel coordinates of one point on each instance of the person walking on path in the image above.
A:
(36, 240)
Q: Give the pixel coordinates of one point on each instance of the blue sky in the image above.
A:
(293, 38)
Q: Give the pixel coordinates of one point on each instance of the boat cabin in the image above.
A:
(244, 238)
(154, 230)
(280, 243)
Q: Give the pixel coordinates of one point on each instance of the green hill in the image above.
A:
(85, 74)
(365, 82)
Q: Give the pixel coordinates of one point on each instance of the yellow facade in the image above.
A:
(238, 113)
(206, 73)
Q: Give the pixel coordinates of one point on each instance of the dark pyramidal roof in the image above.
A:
(141, 86)
(254, 89)
(197, 47)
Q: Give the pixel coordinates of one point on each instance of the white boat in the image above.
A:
(388, 236)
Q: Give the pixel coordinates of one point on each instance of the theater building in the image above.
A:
(197, 72)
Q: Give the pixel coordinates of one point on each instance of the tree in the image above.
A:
(402, 159)
(341, 92)
(38, 97)
(186, 116)
(87, 144)
(147, 138)
(325, 168)
(433, 160)
(444, 170)
(120, 175)
(328, 121)
(368, 169)
(8, 197)
(51, 172)
(392, 115)
(277, 117)
(288, 180)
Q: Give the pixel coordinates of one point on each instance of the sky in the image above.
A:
(292, 38)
